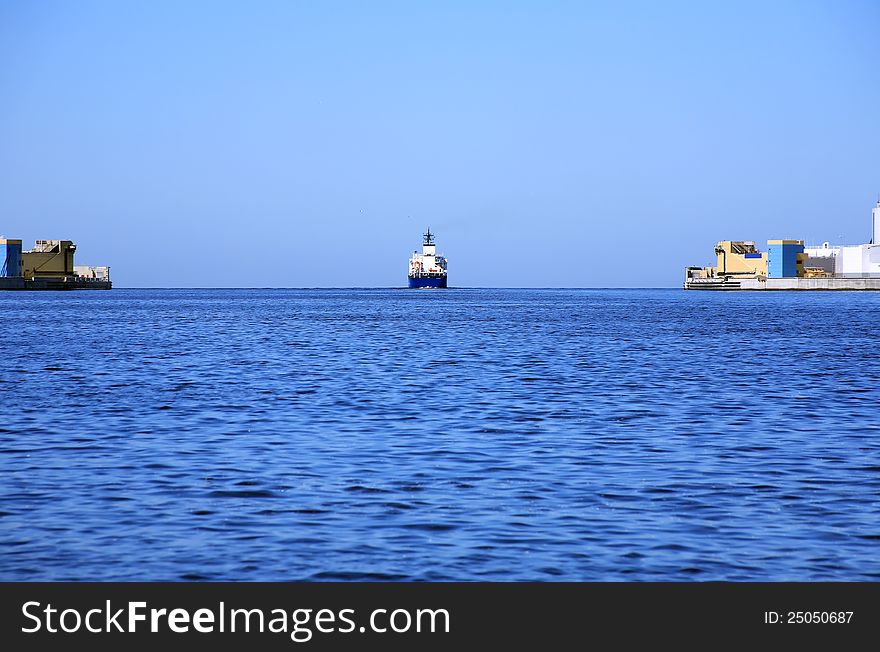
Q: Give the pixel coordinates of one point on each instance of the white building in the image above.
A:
(849, 260)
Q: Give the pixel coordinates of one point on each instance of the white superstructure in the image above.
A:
(427, 263)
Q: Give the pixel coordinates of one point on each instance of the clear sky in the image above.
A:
(303, 144)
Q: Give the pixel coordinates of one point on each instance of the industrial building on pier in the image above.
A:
(789, 265)
(48, 266)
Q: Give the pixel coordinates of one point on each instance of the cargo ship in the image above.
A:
(427, 269)
(48, 266)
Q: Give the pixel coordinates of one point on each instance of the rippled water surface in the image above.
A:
(439, 435)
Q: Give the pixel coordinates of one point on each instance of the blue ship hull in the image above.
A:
(427, 282)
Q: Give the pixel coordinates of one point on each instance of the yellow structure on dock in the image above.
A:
(739, 258)
(48, 259)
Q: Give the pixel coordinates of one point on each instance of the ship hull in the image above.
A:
(427, 281)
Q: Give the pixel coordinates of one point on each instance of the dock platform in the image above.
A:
(796, 284)
(63, 283)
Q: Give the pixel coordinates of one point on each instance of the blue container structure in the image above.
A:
(10, 258)
(782, 258)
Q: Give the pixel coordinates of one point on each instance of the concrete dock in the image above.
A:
(62, 283)
(815, 284)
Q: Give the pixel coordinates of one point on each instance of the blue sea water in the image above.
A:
(439, 435)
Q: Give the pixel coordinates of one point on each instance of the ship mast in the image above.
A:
(428, 247)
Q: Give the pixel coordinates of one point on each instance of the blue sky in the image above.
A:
(304, 144)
